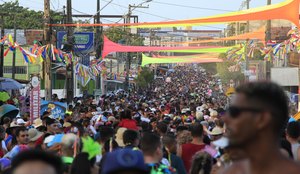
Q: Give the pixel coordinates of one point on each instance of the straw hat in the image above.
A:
(119, 136)
(37, 123)
(34, 134)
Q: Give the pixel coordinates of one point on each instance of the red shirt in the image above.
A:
(188, 151)
(129, 124)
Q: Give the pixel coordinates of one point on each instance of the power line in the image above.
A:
(166, 18)
(193, 7)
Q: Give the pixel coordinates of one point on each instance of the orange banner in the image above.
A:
(288, 10)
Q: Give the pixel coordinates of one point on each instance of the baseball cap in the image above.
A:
(124, 160)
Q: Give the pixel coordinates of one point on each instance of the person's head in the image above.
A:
(196, 130)
(131, 137)
(126, 114)
(201, 163)
(151, 146)
(106, 133)
(53, 126)
(34, 135)
(68, 144)
(36, 162)
(184, 137)
(67, 117)
(46, 114)
(293, 131)
(82, 164)
(258, 112)
(22, 135)
(124, 161)
(162, 128)
(170, 143)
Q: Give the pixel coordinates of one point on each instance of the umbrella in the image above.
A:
(8, 111)
(9, 84)
(4, 96)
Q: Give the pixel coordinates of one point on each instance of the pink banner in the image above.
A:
(35, 100)
(110, 47)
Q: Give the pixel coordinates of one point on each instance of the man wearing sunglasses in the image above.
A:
(254, 123)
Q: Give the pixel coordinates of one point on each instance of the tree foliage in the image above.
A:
(226, 75)
(210, 67)
(121, 35)
(25, 18)
(145, 77)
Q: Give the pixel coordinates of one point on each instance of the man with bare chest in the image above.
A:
(255, 121)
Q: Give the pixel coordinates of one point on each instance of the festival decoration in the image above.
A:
(37, 54)
(109, 47)
(204, 50)
(288, 10)
(259, 35)
(91, 147)
(148, 60)
(86, 73)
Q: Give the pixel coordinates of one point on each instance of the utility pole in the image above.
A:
(2, 47)
(99, 79)
(47, 64)
(268, 38)
(69, 68)
(14, 52)
(269, 25)
(246, 44)
(128, 60)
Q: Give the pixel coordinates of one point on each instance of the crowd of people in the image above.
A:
(180, 125)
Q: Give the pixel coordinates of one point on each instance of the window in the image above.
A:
(19, 69)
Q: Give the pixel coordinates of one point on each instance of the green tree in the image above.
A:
(210, 67)
(25, 18)
(119, 34)
(145, 77)
(226, 75)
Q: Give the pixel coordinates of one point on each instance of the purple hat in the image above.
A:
(124, 160)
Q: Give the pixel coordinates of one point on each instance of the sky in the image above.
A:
(159, 10)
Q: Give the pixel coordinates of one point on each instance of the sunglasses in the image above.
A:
(234, 111)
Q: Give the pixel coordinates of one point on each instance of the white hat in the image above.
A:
(216, 131)
(48, 139)
(20, 121)
(222, 142)
(13, 124)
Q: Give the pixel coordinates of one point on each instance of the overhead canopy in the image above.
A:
(288, 10)
(148, 60)
(109, 47)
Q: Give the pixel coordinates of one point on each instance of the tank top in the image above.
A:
(188, 151)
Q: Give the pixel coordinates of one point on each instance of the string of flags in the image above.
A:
(271, 52)
(86, 73)
(37, 54)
